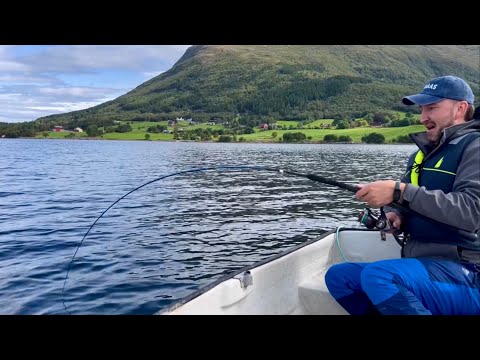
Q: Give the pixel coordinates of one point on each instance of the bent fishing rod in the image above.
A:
(313, 177)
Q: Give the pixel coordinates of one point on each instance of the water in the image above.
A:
(171, 237)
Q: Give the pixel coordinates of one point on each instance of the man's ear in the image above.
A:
(462, 107)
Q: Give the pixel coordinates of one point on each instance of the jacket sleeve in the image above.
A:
(459, 208)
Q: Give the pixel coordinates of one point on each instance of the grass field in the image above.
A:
(318, 134)
(139, 130)
(282, 123)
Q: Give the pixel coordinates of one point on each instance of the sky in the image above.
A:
(38, 80)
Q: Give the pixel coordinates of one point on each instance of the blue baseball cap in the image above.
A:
(441, 88)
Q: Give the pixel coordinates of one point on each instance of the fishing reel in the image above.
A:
(375, 220)
(378, 220)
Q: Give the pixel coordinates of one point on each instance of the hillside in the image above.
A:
(289, 82)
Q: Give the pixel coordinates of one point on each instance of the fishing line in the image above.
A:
(313, 177)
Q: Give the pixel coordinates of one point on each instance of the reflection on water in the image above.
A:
(171, 237)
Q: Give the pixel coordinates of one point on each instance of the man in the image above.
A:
(440, 191)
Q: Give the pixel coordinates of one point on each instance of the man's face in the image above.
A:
(437, 117)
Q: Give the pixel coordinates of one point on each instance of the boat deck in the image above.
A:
(292, 283)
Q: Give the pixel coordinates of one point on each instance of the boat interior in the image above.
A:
(291, 283)
(345, 246)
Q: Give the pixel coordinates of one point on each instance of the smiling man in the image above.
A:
(439, 272)
(445, 101)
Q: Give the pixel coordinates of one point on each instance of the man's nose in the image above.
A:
(423, 117)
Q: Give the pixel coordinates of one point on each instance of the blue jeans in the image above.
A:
(408, 286)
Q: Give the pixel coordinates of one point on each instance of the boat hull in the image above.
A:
(290, 283)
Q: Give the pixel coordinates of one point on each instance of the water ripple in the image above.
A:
(171, 237)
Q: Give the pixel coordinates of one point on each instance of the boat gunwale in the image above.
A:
(180, 302)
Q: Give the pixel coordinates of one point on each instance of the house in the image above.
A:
(263, 127)
(77, 129)
(58, 128)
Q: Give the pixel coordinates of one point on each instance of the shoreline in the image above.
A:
(214, 142)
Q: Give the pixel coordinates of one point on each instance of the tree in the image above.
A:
(343, 125)
(147, 136)
(403, 139)
(225, 138)
(379, 119)
(93, 131)
(294, 137)
(373, 138)
(329, 138)
(362, 123)
(344, 139)
(123, 128)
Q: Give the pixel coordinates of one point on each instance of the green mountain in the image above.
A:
(284, 82)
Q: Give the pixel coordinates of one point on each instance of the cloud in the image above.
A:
(78, 92)
(87, 58)
(152, 74)
(12, 66)
(24, 80)
(22, 105)
(64, 106)
(37, 81)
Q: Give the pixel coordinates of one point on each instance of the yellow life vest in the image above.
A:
(414, 174)
(417, 167)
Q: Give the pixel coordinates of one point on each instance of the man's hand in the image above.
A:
(378, 193)
(395, 220)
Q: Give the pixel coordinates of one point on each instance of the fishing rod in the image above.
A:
(313, 177)
(323, 180)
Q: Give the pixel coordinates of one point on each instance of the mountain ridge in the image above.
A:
(290, 82)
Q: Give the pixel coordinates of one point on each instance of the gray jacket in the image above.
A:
(459, 208)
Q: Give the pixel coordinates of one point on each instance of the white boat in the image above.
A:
(290, 283)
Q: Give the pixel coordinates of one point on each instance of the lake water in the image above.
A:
(167, 239)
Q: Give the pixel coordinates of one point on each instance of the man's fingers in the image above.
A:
(362, 192)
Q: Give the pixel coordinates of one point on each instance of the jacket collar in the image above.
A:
(447, 135)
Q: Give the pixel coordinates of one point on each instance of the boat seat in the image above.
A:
(316, 299)
(354, 246)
